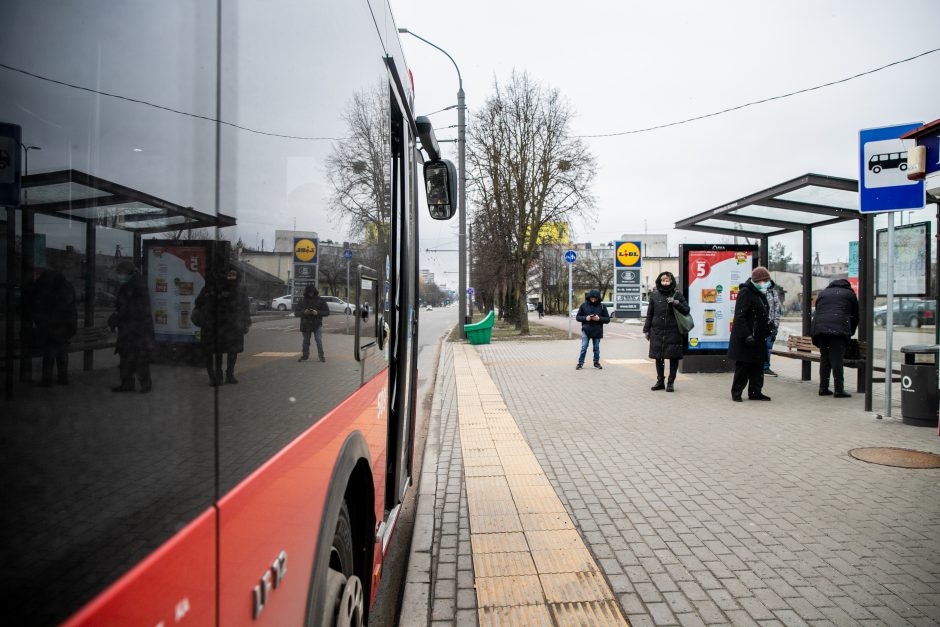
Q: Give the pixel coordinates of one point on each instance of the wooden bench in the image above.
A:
(92, 338)
(802, 347)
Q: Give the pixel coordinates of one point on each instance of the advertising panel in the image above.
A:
(176, 273)
(911, 260)
(711, 275)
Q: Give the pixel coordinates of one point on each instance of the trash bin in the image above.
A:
(480, 332)
(919, 398)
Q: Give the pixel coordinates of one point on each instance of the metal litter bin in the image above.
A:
(919, 398)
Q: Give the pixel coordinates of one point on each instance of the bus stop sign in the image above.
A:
(882, 170)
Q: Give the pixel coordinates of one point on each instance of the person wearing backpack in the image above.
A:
(662, 329)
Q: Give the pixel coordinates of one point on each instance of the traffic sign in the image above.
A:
(571, 256)
(469, 291)
(347, 254)
(882, 167)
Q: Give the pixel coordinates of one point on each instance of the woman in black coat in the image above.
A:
(224, 317)
(748, 343)
(662, 330)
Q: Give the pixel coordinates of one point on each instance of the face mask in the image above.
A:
(763, 285)
(123, 278)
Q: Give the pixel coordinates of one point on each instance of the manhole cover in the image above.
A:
(899, 457)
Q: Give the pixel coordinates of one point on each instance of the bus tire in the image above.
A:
(345, 600)
(346, 529)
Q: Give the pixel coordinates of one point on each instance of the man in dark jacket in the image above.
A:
(834, 323)
(592, 314)
(311, 309)
(662, 330)
(747, 345)
(55, 318)
(134, 324)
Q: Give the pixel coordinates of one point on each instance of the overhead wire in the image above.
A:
(762, 101)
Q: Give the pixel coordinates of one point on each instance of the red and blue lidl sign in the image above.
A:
(627, 255)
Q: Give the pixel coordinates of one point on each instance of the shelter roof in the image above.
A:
(80, 196)
(806, 202)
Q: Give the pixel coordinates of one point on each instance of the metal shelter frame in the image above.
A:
(801, 205)
(78, 196)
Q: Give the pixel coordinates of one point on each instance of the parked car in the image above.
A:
(338, 305)
(910, 312)
(530, 306)
(282, 303)
(429, 308)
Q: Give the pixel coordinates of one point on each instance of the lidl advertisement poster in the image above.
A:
(714, 277)
(175, 276)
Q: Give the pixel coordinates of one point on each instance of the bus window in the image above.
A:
(108, 436)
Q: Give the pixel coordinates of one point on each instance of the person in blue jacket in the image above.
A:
(592, 314)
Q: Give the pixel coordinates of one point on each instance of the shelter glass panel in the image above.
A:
(826, 196)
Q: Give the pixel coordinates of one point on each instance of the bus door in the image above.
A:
(404, 309)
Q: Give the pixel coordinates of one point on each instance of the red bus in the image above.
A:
(168, 456)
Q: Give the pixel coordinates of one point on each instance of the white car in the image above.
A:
(282, 303)
(338, 305)
(530, 306)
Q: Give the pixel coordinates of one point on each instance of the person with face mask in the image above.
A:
(662, 330)
(592, 314)
(747, 346)
(134, 325)
(834, 323)
(224, 319)
(311, 310)
(773, 303)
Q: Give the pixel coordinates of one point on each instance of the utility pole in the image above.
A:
(461, 187)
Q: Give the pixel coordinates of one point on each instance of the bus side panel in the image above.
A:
(175, 585)
(279, 507)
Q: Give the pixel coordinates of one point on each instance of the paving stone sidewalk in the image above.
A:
(703, 511)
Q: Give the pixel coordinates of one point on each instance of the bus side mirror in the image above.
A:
(440, 181)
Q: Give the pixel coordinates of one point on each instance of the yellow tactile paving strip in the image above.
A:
(530, 563)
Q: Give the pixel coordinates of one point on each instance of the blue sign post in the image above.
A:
(882, 182)
(570, 258)
(347, 254)
(883, 186)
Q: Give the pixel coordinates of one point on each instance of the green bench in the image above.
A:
(480, 332)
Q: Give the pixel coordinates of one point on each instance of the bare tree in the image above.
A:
(595, 270)
(358, 168)
(527, 171)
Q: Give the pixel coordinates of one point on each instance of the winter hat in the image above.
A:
(760, 274)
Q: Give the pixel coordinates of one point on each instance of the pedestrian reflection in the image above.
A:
(134, 325)
(55, 320)
(311, 310)
(223, 313)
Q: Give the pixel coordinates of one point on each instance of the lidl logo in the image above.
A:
(305, 250)
(628, 254)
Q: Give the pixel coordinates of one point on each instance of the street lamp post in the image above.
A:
(461, 186)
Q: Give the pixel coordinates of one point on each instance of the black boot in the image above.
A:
(660, 385)
(841, 393)
(215, 377)
(669, 385)
(230, 376)
(825, 392)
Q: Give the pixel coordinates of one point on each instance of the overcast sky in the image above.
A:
(627, 65)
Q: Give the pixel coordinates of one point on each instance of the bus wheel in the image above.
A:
(345, 602)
